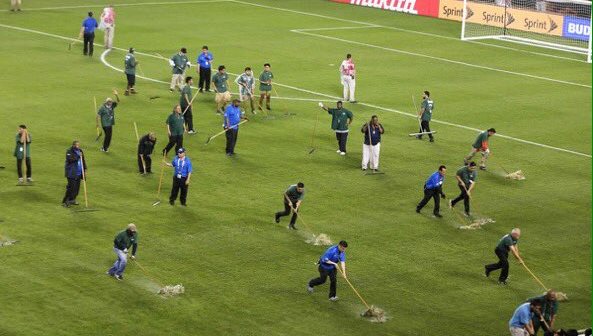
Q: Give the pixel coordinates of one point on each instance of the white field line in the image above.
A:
(321, 95)
(405, 30)
(119, 5)
(446, 60)
(337, 28)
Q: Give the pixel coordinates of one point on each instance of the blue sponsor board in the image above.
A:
(576, 28)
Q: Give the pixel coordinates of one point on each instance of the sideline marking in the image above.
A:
(120, 5)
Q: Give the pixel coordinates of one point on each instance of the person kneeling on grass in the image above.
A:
(327, 267)
(520, 323)
(122, 242)
(293, 197)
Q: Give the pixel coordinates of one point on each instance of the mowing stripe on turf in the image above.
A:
(317, 94)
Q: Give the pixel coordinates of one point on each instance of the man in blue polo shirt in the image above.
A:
(432, 189)
(520, 323)
(232, 118)
(182, 175)
(327, 267)
(87, 32)
(204, 61)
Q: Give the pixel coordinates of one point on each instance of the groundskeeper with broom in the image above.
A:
(549, 312)
(106, 114)
(433, 188)
(466, 181)
(181, 177)
(122, 242)
(481, 145)
(145, 148)
(425, 115)
(74, 166)
(232, 117)
(507, 243)
(265, 86)
(175, 129)
(293, 198)
(130, 63)
(327, 267)
(22, 150)
(185, 101)
(520, 323)
(341, 119)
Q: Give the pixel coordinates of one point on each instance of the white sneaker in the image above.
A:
(450, 204)
(191, 132)
(310, 289)
(342, 153)
(333, 298)
(21, 180)
(338, 151)
(29, 179)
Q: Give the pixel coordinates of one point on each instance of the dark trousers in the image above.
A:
(424, 127)
(428, 194)
(188, 118)
(231, 140)
(323, 274)
(503, 262)
(286, 212)
(107, 140)
(89, 40)
(537, 324)
(342, 138)
(463, 196)
(19, 167)
(179, 185)
(72, 189)
(204, 78)
(174, 140)
(147, 163)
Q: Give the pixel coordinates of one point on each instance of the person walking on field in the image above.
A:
(520, 323)
(327, 268)
(130, 63)
(87, 33)
(178, 63)
(145, 148)
(466, 181)
(246, 83)
(507, 243)
(232, 118)
(74, 166)
(293, 197)
(108, 24)
(22, 150)
(348, 73)
(481, 145)
(181, 177)
(425, 115)
(106, 115)
(185, 101)
(265, 86)
(15, 5)
(341, 119)
(221, 87)
(433, 188)
(175, 129)
(121, 243)
(372, 143)
(204, 62)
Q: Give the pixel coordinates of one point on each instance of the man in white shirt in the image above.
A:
(108, 25)
(348, 72)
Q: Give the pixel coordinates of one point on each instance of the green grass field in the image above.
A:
(244, 274)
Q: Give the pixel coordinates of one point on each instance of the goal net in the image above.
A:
(555, 24)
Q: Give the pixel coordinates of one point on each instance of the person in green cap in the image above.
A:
(341, 119)
(425, 115)
(23, 149)
(466, 181)
(175, 129)
(130, 70)
(265, 86)
(122, 242)
(481, 145)
(106, 115)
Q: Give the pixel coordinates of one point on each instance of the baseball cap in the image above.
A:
(181, 150)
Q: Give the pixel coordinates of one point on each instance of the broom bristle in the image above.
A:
(376, 314)
(171, 290)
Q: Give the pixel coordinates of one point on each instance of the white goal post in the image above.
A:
(555, 24)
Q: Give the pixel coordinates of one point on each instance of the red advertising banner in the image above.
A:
(415, 7)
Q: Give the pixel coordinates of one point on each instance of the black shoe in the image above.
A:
(277, 219)
(65, 205)
(292, 227)
(417, 210)
(486, 271)
(201, 91)
(268, 108)
(438, 215)
(171, 202)
(431, 140)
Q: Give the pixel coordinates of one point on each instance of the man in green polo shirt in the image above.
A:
(23, 150)
(293, 197)
(221, 87)
(106, 114)
(549, 311)
(130, 71)
(265, 86)
(466, 181)
(122, 242)
(178, 63)
(425, 115)
(481, 145)
(341, 119)
(175, 129)
(185, 100)
(507, 243)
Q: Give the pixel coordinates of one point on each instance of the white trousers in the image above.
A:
(370, 156)
(108, 36)
(518, 331)
(349, 85)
